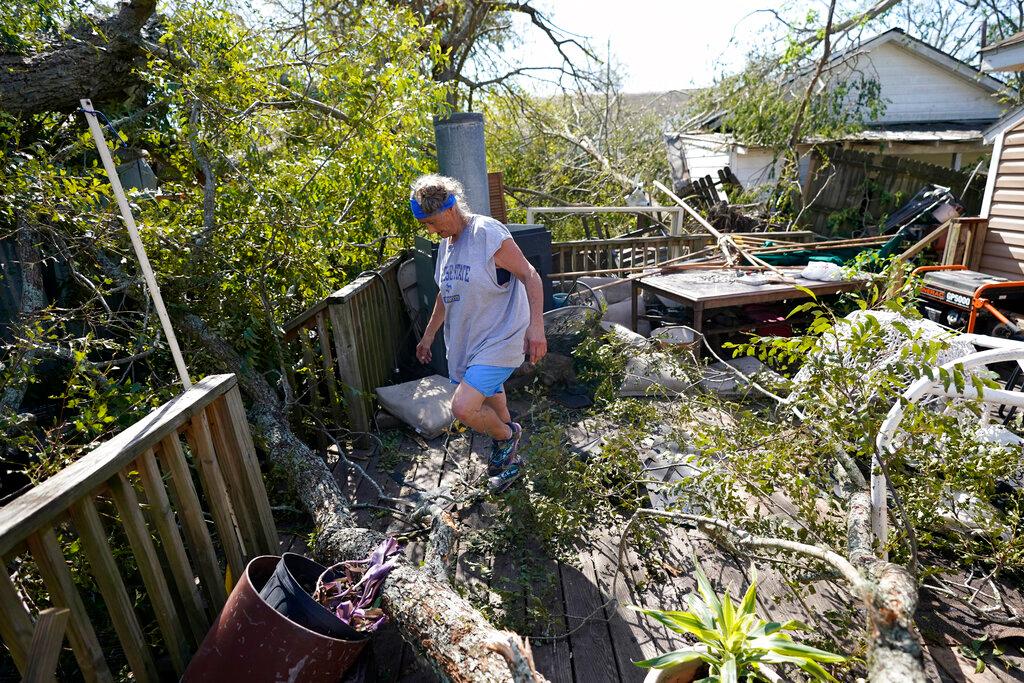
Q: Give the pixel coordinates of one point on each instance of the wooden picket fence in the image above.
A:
(872, 185)
(141, 481)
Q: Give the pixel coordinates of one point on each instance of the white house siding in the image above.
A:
(1003, 253)
(706, 153)
(754, 167)
(917, 90)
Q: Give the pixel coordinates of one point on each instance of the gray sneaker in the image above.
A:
(503, 452)
(504, 479)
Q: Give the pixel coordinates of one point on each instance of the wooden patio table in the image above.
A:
(692, 289)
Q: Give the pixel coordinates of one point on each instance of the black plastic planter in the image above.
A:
(252, 642)
(289, 591)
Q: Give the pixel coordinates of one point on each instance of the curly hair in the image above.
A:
(431, 191)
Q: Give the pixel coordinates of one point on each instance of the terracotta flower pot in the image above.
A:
(252, 642)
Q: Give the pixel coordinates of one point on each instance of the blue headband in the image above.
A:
(420, 214)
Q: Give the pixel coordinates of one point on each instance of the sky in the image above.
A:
(661, 44)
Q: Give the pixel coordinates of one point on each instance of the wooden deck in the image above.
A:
(590, 634)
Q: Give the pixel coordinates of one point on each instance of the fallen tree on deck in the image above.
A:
(448, 632)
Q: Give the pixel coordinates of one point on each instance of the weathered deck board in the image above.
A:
(551, 651)
(603, 647)
(592, 654)
(625, 648)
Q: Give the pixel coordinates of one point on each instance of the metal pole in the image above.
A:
(133, 233)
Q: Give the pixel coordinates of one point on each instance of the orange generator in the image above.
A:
(970, 301)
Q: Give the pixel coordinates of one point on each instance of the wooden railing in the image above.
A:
(965, 242)
(351, 343)
(623, 255)
(184, 580)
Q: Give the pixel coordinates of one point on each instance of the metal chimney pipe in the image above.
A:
(462, 154)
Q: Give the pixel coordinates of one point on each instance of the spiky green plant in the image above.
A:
(739, 643)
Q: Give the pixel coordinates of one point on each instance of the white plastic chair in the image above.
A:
(996, 351)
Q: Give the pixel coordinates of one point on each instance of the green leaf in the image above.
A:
(791, 649)
(683, 622)
(728, 671)
(706, 591)
(806, 291)
(816, 671)
(671, 658)
(749, 599)
(728, 615)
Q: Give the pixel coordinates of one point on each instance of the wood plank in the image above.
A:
(327, 359)
(952, 241)
(252, 478)
(172, 458)
(598, 566)
(146, 558)
(216, 492)
(46, 645)
(166, 525)
(345, 345)
(592, 654)
(42, 504)
(54, 570)
(551, 652)
(115, 596)
(15, 621)
(311, 372)
(423, 477)
(229, 461)
(980, 237)
(636, 636)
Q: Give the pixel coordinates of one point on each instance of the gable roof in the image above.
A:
(896, 36)
(927, 52)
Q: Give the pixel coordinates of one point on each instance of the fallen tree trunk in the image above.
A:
(459, 643)
(99, 64)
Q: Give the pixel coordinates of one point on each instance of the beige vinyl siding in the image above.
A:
(1003, 253)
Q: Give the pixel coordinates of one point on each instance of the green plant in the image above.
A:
(738, 643)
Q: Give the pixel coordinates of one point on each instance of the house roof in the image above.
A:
(900, 38)
(1008, 121)
(928, 133)
(928, 52)
(1016, 38)
(1006, 55)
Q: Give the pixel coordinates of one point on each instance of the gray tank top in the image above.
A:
(484, 322)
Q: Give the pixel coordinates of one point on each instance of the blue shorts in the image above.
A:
(487, 379)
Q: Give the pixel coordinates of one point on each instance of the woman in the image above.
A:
(491, 305)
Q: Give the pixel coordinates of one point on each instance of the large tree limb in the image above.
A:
(449, 632)
(99, 65)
